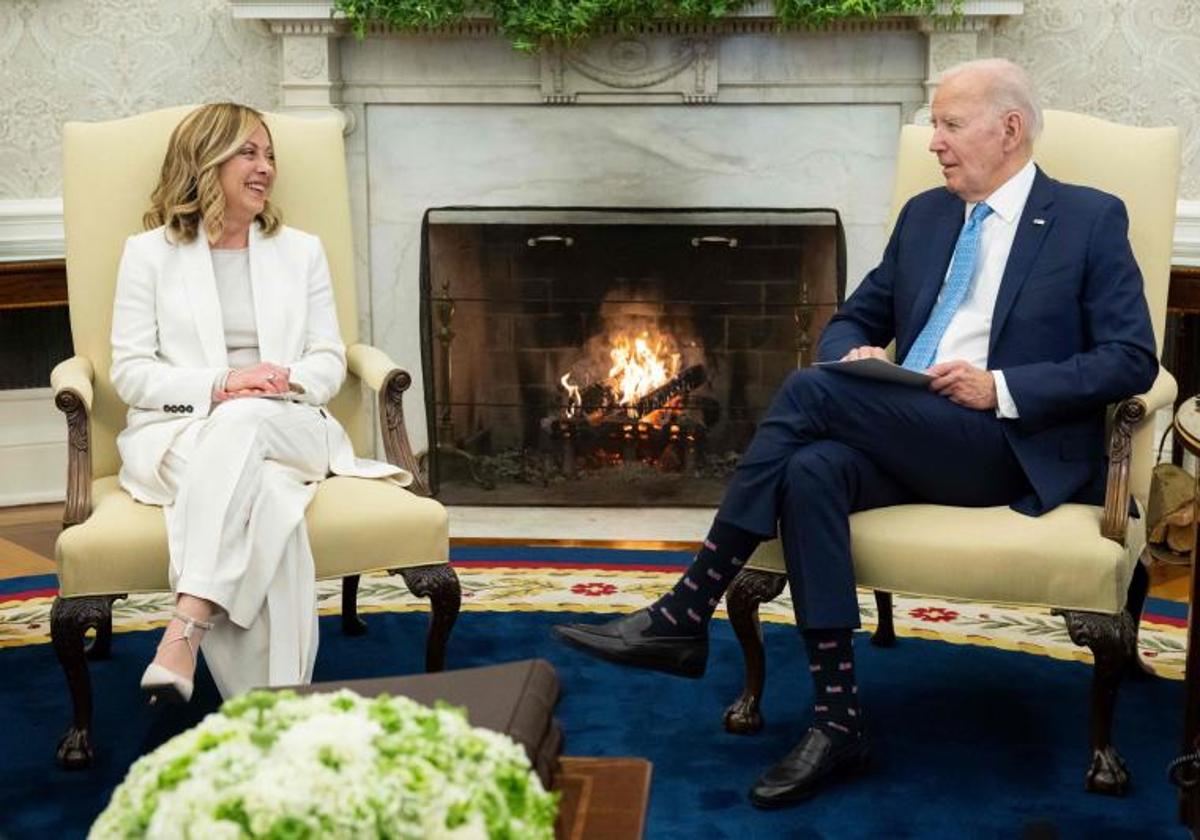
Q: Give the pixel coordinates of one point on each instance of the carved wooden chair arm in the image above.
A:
(1127, 416)
(389, 381)
(72, 384)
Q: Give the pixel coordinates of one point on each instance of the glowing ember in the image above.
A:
(664, 415)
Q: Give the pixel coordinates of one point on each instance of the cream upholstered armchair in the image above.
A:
(111, 545)
(1077, 560)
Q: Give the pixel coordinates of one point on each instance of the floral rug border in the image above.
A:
(548, 589)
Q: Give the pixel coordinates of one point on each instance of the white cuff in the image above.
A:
(1005, 407)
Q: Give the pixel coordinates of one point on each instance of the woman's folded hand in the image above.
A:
(256, 380)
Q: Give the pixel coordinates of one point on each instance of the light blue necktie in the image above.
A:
(954, 290)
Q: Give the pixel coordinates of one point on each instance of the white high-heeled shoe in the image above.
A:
(159, 682)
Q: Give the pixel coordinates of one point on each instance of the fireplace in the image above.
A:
(739, 112)
(612, 356)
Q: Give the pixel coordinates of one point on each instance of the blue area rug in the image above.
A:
(970, 741)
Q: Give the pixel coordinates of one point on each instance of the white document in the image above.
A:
(880, 369)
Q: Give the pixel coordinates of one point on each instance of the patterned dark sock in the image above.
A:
(686, 609)
(831, 664)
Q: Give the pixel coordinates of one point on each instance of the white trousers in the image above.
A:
(241, 480)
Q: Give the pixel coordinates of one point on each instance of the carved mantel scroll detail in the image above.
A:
(670, 66)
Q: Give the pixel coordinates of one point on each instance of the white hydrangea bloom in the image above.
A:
(331, 765)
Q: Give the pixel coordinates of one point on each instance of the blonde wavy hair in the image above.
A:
(189, 195)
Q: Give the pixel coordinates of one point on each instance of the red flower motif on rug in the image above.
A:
(933, 614)
(593, 590)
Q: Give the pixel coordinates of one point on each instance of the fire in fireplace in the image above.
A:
(612, 357)
(625, 401)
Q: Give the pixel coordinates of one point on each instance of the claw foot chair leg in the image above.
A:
(885, 630)
(70, 619)
(352, 625)
(100, 646)
(749, 590)
(1112, 641)
(440, 585)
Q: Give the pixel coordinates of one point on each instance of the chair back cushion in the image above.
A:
(1138, 165)
(109, 170)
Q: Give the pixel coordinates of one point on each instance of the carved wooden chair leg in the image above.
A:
(100, 646)
(1111, 640)
(1135, 602)
(750, 589)
(70, 619)
(352, 625)
(885, 630)
(440, 585)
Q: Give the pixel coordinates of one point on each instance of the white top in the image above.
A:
(970, 329)
(231, 267)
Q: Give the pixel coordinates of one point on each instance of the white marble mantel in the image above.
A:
(679, 62)
(738, 113)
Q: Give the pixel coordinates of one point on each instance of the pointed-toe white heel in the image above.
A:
(160, 682)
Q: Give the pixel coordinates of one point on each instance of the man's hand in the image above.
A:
(865, 353)
(964, 384)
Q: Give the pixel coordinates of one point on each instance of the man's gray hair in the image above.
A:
(1008, 89)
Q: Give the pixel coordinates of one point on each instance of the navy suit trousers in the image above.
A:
(831, 445)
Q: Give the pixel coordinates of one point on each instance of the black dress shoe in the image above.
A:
(814, 761)
(629, 641)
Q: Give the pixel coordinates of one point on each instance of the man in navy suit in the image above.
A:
(1020, 296)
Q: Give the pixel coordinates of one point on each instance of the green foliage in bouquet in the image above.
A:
(530, 23)
(277, 765)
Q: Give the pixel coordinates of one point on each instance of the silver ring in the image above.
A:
(270, 377)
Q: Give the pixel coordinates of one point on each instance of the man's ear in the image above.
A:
(1014, 130)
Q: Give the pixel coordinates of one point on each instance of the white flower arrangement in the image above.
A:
(278, 765)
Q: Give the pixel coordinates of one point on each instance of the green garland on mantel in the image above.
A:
(531, 23)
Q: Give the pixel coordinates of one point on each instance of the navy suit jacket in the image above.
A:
(1071, 329)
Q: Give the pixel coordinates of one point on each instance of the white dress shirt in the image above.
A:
(970, 329)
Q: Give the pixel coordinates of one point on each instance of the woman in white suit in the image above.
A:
(226, 348)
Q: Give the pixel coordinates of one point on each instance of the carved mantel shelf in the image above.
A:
(744, 58)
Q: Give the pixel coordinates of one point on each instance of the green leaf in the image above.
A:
(532, 24)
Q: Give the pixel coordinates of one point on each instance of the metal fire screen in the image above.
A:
(613, 356)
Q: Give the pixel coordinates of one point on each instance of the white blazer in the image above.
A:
(168, 343)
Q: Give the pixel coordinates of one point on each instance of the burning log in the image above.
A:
(606, 423)
(689, 380)
(595, 397)
(598, 400)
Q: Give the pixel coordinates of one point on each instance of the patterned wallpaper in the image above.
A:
(1136, 62)
(1132, 62)
(99, 59)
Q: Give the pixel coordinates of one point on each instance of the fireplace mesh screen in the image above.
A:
(613, 357)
